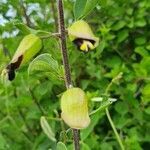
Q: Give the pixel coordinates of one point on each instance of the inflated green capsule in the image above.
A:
(28, 48)
(81, 34)
(74, 108)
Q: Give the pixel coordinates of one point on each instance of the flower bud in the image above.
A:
(81, 35)
(74, 108)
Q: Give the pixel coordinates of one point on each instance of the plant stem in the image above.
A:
(68, 81)
(49, 35)
(76, 137)
(36, 102)
(24, 120)
(114, 129)
(108, 114)
(28, 21)
(54, 13)
(61, 24)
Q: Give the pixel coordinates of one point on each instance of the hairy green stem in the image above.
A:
(68, 81)
(114, 129)
(108, 114)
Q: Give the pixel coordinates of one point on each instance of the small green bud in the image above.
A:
(74, 108)
(81, 34)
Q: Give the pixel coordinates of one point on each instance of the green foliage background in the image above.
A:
(123, 29)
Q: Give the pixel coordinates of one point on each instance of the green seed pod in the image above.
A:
(28, 48)
(74, 108)
(81, 34)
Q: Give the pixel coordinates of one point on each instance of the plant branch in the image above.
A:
(54, 14)
(24, 120)
(19, 129)
(108, 114)
(28, 21)
(21, 112)
(114, 129)
(49, 35)
(68, 81)
(36, 102)
(7, 52)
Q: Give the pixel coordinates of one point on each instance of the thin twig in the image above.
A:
(36, 102)
(28, 21)
(54, 13)
(55, 35)
(22, 114)
(19, 129)
(24, 120)
(68, 81)
(6, 52)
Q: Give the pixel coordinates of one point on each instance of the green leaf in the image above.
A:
(84, 146)
(118, 25)
(103, 3)
(46, 64)
(97, 99)
(141, 51)
(100, 48)
(79, 7)
(106, 146)
(140, 23)
(122, 35)
(104, 103)
(83, 7)
(140, 40)
(90, 5)
(3, 142)
(47, 129)
(147, 110)
(121, 121)
(148, 47)
(23, 28)
(146, 91)
(43, 62)
(61, 146)
(121, 108)
(94, 120)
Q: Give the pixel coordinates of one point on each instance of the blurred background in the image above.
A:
(123, 27)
